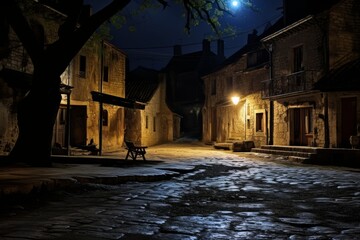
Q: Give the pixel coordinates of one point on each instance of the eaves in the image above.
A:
(116, 101)
(288, 30)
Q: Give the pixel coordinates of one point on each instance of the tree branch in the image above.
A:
(71, 42)
(22, 29)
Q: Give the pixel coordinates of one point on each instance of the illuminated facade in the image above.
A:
(306, 94)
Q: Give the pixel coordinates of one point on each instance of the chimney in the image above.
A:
(206, 46)
(252, 36)
(220, 48)
(177, 50)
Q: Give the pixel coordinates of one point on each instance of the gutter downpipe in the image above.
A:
(101, 90)
(270, 133)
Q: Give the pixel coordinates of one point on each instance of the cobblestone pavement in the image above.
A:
(226, 196)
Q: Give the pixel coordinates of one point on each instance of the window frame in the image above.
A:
(260, 122)
(106, 74)
(82, 66)
(298, 58)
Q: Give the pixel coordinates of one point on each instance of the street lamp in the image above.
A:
(235, 99)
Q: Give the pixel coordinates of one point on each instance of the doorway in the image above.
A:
(300, 126)
(348, 121)
(78, 126)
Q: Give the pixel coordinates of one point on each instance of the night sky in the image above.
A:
(158, 30)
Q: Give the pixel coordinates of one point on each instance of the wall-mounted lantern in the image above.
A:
(235, 99)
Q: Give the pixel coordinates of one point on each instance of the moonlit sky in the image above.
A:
(158, 30)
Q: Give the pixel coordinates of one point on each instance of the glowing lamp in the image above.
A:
(235, 100)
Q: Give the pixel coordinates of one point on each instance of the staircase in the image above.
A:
(296, 153)
(314, 155)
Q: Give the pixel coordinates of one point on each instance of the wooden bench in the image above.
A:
(134, 151)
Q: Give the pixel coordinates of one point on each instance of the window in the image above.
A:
(259, 122)
(298, 59)
(154, 124)
(146, 122)
(248, 110)
(82, 67)
(105, 118)
(257, 58)
(213, 86)
(106, 74)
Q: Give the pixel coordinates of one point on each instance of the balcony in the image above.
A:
(298, 82)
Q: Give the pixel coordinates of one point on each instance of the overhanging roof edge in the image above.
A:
(115, 100)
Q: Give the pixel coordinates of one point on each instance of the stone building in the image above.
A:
(306, 94)
(313, 84)
(98, 69)
(155, 123)
(185, 88)
(96, 78)
(240, 75)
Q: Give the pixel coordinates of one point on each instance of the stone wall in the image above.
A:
(114, 59)
(235, 122)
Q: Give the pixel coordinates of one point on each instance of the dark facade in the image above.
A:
(185, 91)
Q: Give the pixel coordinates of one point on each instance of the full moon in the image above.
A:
(235, 3)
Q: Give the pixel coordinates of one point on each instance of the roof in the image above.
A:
(344, 78)
(201, 61)
(251, 45)
(195, 61)
(141, 84)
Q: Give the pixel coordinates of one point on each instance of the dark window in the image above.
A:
(82, 68)
(154, 124)
(259, 122)
(257, 58)
(105, 118)
(213, 86)
(146, 122)
(106, 73)
(298, 59)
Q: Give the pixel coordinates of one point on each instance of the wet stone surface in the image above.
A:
(225, 198)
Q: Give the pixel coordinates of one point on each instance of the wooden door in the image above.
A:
(298, 128)
(77, 125)
(348, 121)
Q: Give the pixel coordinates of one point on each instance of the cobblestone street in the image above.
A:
(226, 196)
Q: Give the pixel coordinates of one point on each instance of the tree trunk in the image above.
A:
(36, 115)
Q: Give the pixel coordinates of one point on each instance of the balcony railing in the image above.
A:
(296, 82)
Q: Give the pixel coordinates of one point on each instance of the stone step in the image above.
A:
(235, 145)
(305, 155)
(290, 148)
